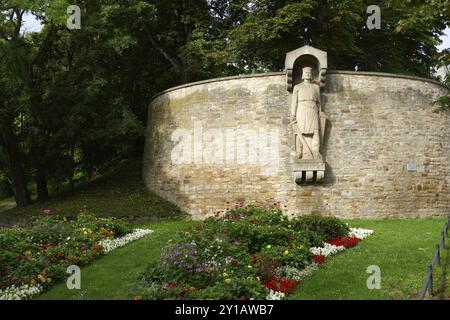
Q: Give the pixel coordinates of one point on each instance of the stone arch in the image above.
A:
(305, 56)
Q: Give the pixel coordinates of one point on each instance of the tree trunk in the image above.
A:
(17, 175)
(41, 184)
(19, 185)
(72, 168)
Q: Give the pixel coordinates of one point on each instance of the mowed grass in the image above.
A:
(112, 277)
(120, 193)
(401, 248)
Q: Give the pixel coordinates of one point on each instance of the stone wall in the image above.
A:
(214, 143)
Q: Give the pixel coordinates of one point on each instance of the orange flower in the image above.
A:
(137, 298)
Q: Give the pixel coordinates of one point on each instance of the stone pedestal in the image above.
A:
(309, 171)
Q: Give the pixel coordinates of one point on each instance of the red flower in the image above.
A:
(319, 259)
(171, 285)
(280, 285)
(254, 259)
(346, 242)
(352, 241)
(234, 262)
(181, 293)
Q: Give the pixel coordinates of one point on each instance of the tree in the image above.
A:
(406, 42)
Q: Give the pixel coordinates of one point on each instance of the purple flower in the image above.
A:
(47, 212)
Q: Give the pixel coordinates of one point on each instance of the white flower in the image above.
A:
(275, 295)
(112, 244)
(20, 293)
(291, 273)
(360, 233)
(326, 250)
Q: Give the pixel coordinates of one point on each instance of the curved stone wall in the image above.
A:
(213, 143)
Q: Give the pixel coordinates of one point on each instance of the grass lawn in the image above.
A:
(120, 193)
(7, 204)
(441, 280)
(401, 248)
(112, 276)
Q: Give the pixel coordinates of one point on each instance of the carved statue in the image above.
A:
(307, 118)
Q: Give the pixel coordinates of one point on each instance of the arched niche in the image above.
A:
(302, 62)
(305, 56)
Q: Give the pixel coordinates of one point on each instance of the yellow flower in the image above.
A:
(249, 266)
(286, 252)
(191, 288)
(33, 282)
(227, 280)
(269, 246)
(41, 278)
(49, 280)
(289, 226)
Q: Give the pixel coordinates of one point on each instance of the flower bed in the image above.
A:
(251, 252)
(35, 258)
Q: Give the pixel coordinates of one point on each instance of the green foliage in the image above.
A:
(442, 103)
(406, 42)
(233, 290)
(41, 253)
(234, 256)
(296, 257)
(327, 227)
(5, 189)
(120, 192)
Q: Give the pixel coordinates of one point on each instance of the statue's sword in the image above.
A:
(300, 135)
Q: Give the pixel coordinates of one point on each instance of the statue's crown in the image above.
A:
(304, 70)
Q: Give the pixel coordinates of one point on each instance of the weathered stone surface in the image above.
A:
(377, 125)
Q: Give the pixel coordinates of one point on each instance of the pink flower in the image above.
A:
(47, 212)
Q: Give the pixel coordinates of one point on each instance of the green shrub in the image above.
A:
(232, 289)
(41, 253)
(235, 256)
(5, 189)
(297, 257)
(326, 227)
